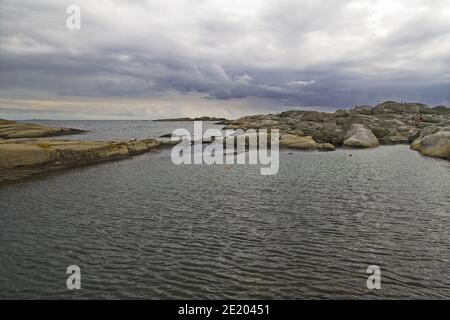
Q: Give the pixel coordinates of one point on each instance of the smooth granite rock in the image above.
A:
(67, 153)
(15, 130)
(434, 141)
(361, 137)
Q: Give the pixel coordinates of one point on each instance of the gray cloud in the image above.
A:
(278, 54)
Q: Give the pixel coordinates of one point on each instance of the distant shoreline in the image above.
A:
(194, 119)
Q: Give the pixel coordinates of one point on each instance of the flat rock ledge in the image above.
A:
(14, 130)
(25, 157)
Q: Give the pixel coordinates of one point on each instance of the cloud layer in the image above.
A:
(151, 58)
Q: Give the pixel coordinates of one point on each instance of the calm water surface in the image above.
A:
(145, 228)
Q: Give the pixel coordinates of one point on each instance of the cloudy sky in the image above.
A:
(157, 58)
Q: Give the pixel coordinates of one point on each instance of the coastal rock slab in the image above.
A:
(65, 153)
(15, 130)
(19, 154)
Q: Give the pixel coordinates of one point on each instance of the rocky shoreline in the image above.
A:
(21, 158)
(24, 152)
(426, 129)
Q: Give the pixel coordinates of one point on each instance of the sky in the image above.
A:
(158, 59)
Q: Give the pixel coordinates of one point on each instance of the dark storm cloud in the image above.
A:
(286, 53)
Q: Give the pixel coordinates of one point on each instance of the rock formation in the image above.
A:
(362, 127)
(434, 141)
(361, 137)
(15, 130)
(40, 155)
(293, 141)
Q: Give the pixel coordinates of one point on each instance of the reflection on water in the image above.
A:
(145, 228)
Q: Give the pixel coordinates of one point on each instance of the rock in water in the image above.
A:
(361, 137)
(326, 147)
(45, 155)
(292, 141)
(434, 141)
(303, 143)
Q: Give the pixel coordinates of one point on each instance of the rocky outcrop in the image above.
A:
(41, 155)
(434, 141)
(389, 122)
(15, 130)
(361, 137)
